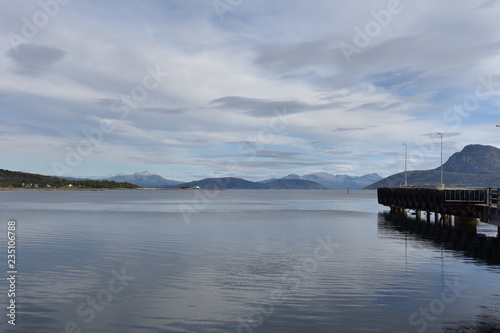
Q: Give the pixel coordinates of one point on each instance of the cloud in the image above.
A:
(299, 56)
(166, 111)
(229, 80)
(376, 106)
(349, 129)
(487, 4)
(107, 102)
(34, 60)
(275, 154)
(265, 108)
(445, 134)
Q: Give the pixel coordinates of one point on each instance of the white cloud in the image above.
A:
(226, 79)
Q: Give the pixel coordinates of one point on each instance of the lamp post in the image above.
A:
(441, 135)
(498, 232)
(406, 163)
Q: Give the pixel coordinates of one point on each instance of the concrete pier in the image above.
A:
(464, 207)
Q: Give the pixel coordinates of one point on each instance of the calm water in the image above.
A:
(235, 261)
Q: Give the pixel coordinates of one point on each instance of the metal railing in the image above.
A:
(466, 195)
(493, 196)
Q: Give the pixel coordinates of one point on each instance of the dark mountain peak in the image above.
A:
(474, 166)
(476, 148)
(478, 159)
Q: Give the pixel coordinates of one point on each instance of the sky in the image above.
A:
(190, 89)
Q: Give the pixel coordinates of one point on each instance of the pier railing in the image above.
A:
(443, 201)
(464, 202)
(466, 195)
(493, 197)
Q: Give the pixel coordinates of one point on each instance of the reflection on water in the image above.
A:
(248, 260)
(473, 245)
(480, 248)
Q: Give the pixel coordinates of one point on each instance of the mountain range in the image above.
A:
(308, 181)
(474, 166)
(336, 182)
(239, 183)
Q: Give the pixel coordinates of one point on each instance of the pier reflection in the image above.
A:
(482, 249)
(448, 236)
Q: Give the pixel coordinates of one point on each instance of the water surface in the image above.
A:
(236, 261)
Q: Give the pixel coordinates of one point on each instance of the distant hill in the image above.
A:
(336, 182)
(474, 166)
(77, 178)
(238, 183)
(17, 179)
(144, 179)
(301, 184)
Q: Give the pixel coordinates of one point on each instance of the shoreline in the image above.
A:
(62, 189)
(97, 189)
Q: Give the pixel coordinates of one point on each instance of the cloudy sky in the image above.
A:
(251, 88)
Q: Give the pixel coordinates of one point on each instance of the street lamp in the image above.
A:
(441, 135)
(406, 162)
